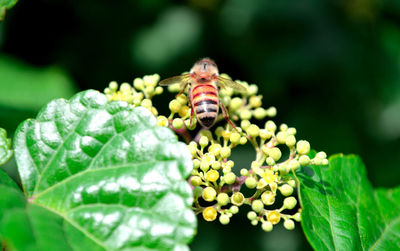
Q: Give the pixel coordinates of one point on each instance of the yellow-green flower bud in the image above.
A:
(286, 190)
(225, 152)
(235, 138)
(270, 161)
(159, 90)
(184, 112)
(234, 209)
(288, 224)
(212, 175)
(294, 164)
(210, 214)
(226, 134)
(283, 127)
(274, 217)
(317, 161)
(177, 123)
(304, 160)
(230, 178)
(297, 217)
(216, 165)
(138, 84)
(251, 182)
(223, 199)
(244, 172)
(290, 140)
(126, 88)
(215, 149)
(253, 130)
(281, 137)
(271, 112)
(252, 90)
(245, 114)
(174, 106)
(243, 140)
(237, 199)
(113, 85)
(303, 147)
(292, 183)
(251, 215)
(325, 162)
(255, 101)
(224, 219)
(268, 198)
(275, 153)
(203, 141)
(209, 194)
(245, 124)
(236, 103)
(182, 99)
(226, 169)
(264, 134)
(196, 163)
(196, 181)
(267, 226)
(230, 163)
(146, 103)
(270, 126)
(321, 155)
(254, 222)
(257, 206)
(204, 165)
(162, 121)
(291, 131)
(289, 202)
(283, 168)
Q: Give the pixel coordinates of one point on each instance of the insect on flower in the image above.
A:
(204, 82)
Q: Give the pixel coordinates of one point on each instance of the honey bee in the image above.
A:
(204, 83)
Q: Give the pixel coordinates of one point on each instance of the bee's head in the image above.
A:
(204, 70)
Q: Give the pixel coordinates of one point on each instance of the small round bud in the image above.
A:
(174, 106)
(267, 226)
(290, 140)
(196, 163)
(204, 165)
(113, 85)
(252, 90)
(226, 134)
(321, 155)
(184, 111)
(289, 202)
(230, 178)
(226, 169)
(325, 162)
(251, 182)
(237, 199)
(225, 152)
(146, 103)
(223, 199)
(255, 101)
(243, 140)
(182, 99)
(212, 175)
(159, 90)
(215, 149)
(270, 161)
(236, 103)
(288, 224)
(274, 217)
(216, 165)
(253, 130)
(303, 147)
(245, 114)
(251, 215)
(257, 206)
(291, 131)
(275, 153)
(210, 214)
(126, 88)
(245, 124)
(317, 161)
(268, 198)
(138, 83)
(244, 172)
(162, 121)
(230, 163)
(234, 209)
(254, 222)
(264, 134)
(270, 126)
(271, 112)
(304, 160)
(209, 194)
(286, 190)
(281, 137)
(297, 217)
(203, 141)
(177, 123)
(291, 183)
(224, 219)
(196, 181)
(283, 127)
(294, 164)
(260, 113)
(235, 138)
(283, 168)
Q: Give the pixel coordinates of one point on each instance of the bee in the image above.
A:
(204, 83)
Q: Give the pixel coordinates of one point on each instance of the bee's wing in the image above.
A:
(181, 79)
(226, 82)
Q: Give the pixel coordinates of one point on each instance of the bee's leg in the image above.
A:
(226, 115)
(191, 116)
(183, 90)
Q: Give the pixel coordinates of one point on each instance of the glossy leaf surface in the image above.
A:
(5, 147)
(342, 211)
(114, 177)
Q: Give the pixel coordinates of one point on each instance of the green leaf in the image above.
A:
(26, 87)
(114, 177)
(341, 210)
(5, 147)
(7, 3)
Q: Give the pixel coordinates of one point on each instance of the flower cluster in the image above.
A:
(218, 190)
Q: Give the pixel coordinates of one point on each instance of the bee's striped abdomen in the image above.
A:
(204, 98)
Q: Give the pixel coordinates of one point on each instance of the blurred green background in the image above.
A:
(331, 67)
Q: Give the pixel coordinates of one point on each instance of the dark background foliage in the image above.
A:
(332, 69)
